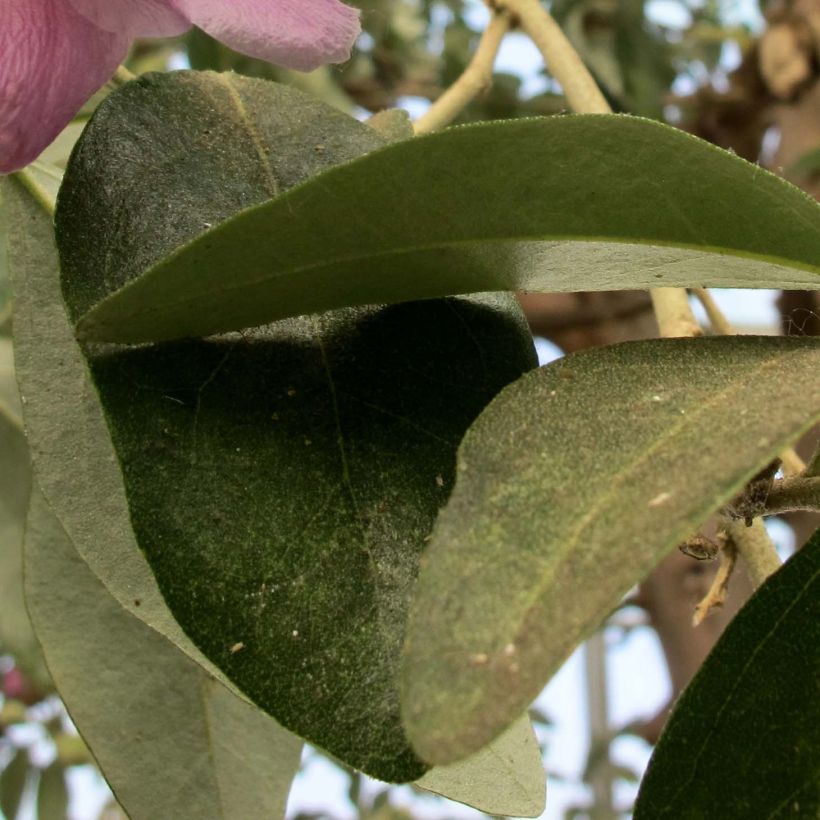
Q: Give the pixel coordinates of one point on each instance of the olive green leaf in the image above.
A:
(505, 778)
(170, 740)
(66, 431)
(282, 485)
(5, 280)
(180, 153)
(16, 636)
(13, 783)
(571, 485)
(52, 793)
(744, 739)
(597, 202)
(395, 403)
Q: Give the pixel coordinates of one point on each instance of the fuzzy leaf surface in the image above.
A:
(172, 155)
(68, 439)
(282, 485)
(751, 716)
(171, 740)
(592, 202)
(570, 487)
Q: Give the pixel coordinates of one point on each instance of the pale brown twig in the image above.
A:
(476, 78)
(757, 549)
(716, 596)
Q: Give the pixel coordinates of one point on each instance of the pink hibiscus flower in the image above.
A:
(54, 54)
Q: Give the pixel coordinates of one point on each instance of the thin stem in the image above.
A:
(45, 200)
(580, 89)
(674, 313)
(672, 309)
(716, 318)
(599, 770)
(813, 468)
(476, 78)
(757, 549)
(716, 596)
(792, 463)
(797, 493)
(122, 76)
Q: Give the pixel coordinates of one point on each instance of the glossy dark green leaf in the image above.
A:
(170, 740)
(52, 794)
(571, 485)
(744, 739)
(282, 485)
(566, 203)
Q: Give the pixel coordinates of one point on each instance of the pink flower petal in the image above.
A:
(301, 34)
(52, 60)
(137, 18)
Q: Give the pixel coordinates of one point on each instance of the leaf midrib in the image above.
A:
(346, 259)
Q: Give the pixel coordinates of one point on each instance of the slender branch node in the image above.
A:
(674, 313)
(716, 596)
(756, 548)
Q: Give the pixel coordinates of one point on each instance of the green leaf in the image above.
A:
(744, 739)
(593, 202)
(282, 485)
(52, 794)
(9, 394)
(295, 475)
(65, 427)
(505, 778)
(13, 784)
(16, 635)
(571, 486)
(171, 741)
(181, 152)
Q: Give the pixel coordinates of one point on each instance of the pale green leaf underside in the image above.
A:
(571, 485)
(171, 740)
(16, 636)
(556, 204)
(66, 431)
(505, 778)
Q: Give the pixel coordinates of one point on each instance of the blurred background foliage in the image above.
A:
(743, 75)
